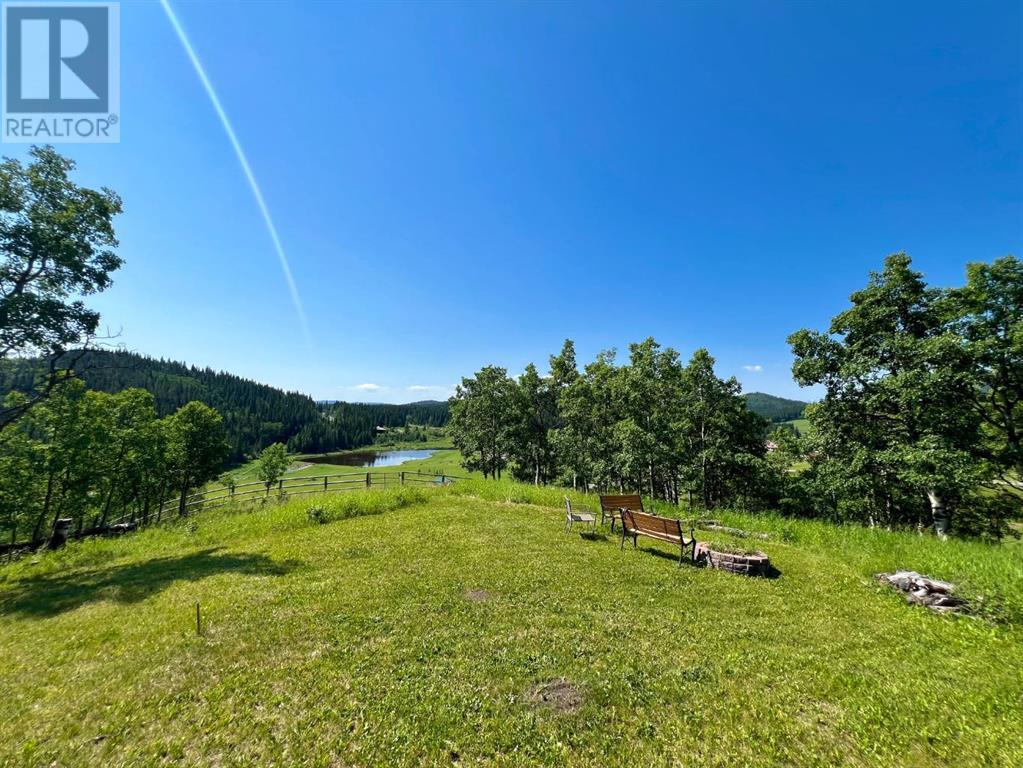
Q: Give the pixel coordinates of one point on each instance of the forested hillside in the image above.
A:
(351, 425)
(255, 415)
(775, 409)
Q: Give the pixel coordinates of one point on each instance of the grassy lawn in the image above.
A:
(359, 641)
(802, 426)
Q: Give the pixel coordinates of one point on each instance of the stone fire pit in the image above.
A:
(729, 559)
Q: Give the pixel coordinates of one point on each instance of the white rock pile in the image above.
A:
(936, 595)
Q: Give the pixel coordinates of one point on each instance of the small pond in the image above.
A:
(372, 458)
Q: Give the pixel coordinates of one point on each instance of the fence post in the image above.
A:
(324, 482)
(280, 485)
(403, 477)
(442, 480)
(368, 480)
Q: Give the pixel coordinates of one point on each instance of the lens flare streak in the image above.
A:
(243, 161)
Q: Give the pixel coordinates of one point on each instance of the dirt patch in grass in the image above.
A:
(558, 694)
(477, 595)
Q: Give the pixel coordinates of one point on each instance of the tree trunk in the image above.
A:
(938, 514)
(106, 506)
(37, 532)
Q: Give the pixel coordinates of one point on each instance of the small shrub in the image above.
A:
(359, 503)
(317, 514)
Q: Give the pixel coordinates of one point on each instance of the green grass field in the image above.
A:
(802, 426)
(360, 641)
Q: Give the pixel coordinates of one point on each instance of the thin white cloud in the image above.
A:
(367, 387)
(438, 390)
(753, 368)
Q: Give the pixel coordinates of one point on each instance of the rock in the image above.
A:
(61, 531)
(936, 595)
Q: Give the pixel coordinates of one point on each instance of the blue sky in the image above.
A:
(457, 185)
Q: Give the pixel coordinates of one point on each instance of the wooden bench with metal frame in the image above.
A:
(611, 507)
(668, 529)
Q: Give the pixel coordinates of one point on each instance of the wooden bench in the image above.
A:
(611, 507)
(636, 524)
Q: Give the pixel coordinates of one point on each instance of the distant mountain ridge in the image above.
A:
(773, 408)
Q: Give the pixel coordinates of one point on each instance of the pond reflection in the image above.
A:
(372, 458)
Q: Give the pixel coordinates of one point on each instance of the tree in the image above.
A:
(56, 245)
(134, 472)
(272, 463)
(20, 457)
(896, 424)
(589, 407)
(196, 447)
(721, 439)
(482, 413)
(987, 313)
(76, 431)
(535, 414)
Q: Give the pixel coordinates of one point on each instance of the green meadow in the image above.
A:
(463, 626)
(802, 426)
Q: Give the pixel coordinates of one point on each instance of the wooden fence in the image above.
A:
(287, 487)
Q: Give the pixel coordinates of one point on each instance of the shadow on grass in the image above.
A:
(672, 556)
(53, 593)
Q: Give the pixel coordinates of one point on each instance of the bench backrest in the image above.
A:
(653, 525)
(628, 501)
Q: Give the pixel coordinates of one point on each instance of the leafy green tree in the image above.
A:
(56, 246)
(196, 447)
(987, 313)
(563, 367)
(787, 450)
(76, 432)
(136, 453)
(589, 407)
(721, 440)
(272, 464)
(896, 424)
(652, 400)
(20, 458)
(482, 415)
(535, 414)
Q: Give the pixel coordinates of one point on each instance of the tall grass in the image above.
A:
(991, 575)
